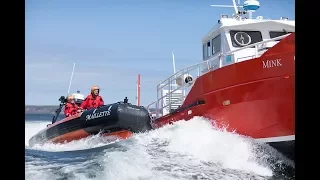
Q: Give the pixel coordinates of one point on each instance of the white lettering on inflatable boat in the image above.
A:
(271, 63)
(95, 115)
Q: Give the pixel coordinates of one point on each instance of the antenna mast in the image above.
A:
(249, 6)
(74, 65)
(138, 90)
(174, 63)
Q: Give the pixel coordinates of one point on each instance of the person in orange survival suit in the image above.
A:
(93, 100)
(71, 108)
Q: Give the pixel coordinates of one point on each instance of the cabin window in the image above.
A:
(216, 44)
(245, 38)
(205, 52)
(208, 49)
(274, 34)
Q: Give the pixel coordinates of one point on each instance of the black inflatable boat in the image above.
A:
(119, 119)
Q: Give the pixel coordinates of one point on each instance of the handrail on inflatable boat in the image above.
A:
(63, 101)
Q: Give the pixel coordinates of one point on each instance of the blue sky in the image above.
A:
(112, 41)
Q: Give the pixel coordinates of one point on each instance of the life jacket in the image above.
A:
(70, 109)
(92, 102)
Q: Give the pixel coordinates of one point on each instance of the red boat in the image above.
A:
(245, 82)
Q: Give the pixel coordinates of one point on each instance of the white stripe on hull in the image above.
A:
(277, 139)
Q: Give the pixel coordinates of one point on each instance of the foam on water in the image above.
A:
(32, 128)
(86, 143)
(185, 150)
(193, 142)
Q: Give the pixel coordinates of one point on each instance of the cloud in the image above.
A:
(48, 78)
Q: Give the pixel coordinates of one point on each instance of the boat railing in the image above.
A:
(149, 105)
(173, 91)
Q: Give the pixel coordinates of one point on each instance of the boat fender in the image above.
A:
(185, 80)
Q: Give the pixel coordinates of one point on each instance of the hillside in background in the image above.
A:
(31, 109)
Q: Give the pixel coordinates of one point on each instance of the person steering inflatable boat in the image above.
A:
(76, 105)
(71, 108)
(93, 100)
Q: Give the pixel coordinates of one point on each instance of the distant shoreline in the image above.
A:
(38, 109)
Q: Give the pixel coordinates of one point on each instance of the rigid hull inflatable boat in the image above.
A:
(119, 119)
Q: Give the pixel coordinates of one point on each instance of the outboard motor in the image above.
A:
(78, 97)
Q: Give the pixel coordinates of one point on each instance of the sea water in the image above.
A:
(184, 150)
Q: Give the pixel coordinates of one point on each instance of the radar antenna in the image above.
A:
(249, 6)
(63, 99)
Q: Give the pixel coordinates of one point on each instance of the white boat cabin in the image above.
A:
(236, 35)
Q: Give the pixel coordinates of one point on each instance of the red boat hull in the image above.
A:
(255, 98)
